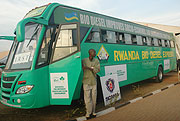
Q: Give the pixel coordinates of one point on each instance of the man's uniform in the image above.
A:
(90, 84)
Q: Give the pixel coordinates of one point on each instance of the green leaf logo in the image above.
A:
(62, 78)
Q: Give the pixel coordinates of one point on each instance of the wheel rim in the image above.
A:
(160, 75)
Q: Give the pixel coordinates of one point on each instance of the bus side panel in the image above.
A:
(41, 76)
(137, 69)
(77, 91)
(172, 60)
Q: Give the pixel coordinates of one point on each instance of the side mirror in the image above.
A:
(20, 28)
(11, 38)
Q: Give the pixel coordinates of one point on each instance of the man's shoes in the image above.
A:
(93, 116)
(87, 118)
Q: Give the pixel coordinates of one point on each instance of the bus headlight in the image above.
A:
(24, 89)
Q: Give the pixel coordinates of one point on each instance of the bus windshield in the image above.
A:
(22, 53)
(36, 12)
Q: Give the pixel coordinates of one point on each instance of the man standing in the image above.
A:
(90, 66)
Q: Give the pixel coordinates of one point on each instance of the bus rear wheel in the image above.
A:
(159, 77)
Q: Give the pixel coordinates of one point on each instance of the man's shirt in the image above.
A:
(90, 76)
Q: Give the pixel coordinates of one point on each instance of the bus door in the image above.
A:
(65, 67)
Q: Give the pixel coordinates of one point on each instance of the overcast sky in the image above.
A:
(165, 12)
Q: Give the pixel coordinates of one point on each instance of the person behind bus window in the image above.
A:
(90, 67)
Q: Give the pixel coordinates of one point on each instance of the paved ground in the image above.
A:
(164, 106)
(60, 113)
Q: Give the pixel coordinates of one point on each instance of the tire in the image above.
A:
(159, 77)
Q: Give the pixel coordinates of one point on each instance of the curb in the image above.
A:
(126, 103)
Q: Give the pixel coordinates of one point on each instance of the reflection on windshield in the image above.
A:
(25, 50)
(11, 53)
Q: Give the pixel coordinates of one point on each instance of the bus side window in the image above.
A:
(134, 39)
(149, 41)
(94, 36)
(152, 41)
(83, 31)
(156, 42)
(159, 42)
(166, 43)
(111, 37)
(104, 36)
(128, 39)
(66, 41)
(46, 46)
(120, 38)
(139, 40)
(163, 43)
(172, 44)
(144, 39)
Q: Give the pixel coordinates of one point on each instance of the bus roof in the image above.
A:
(88, 18)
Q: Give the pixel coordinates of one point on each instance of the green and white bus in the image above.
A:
(44, 65)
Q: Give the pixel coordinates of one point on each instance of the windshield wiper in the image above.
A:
(35, 31)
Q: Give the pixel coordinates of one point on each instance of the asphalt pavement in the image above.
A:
(163, 106)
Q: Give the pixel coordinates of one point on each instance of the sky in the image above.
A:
(165, 12)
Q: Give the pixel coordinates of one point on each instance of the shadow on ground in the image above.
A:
(61, 113)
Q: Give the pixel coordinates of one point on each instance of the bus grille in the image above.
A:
(7, 98)
(6, 92)
(9, 78)
(7, 83)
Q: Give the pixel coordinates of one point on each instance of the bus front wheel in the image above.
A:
(159, 77)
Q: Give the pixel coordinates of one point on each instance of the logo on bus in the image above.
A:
(57, 79)
(71, 17)
(103, 54)
(110, 85)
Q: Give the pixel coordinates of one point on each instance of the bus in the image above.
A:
(44, 65)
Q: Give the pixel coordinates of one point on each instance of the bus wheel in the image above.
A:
(159, 77)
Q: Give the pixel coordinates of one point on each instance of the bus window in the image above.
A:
(152, 42)
(134, 39)
(111, 37)
(167, 43)
(128, 39)
(45, 50)
(94, 36)
(159, 42)
(149, 41)
(83, 31)
(139, 40)
(120, 38)
(26, 49)
(156, 42)
(172, 43)
(163, 43)
(104, 36)
(144, 39)
(66, 41)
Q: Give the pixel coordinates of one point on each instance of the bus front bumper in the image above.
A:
(25, 101)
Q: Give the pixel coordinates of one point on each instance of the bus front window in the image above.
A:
(24, 52)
